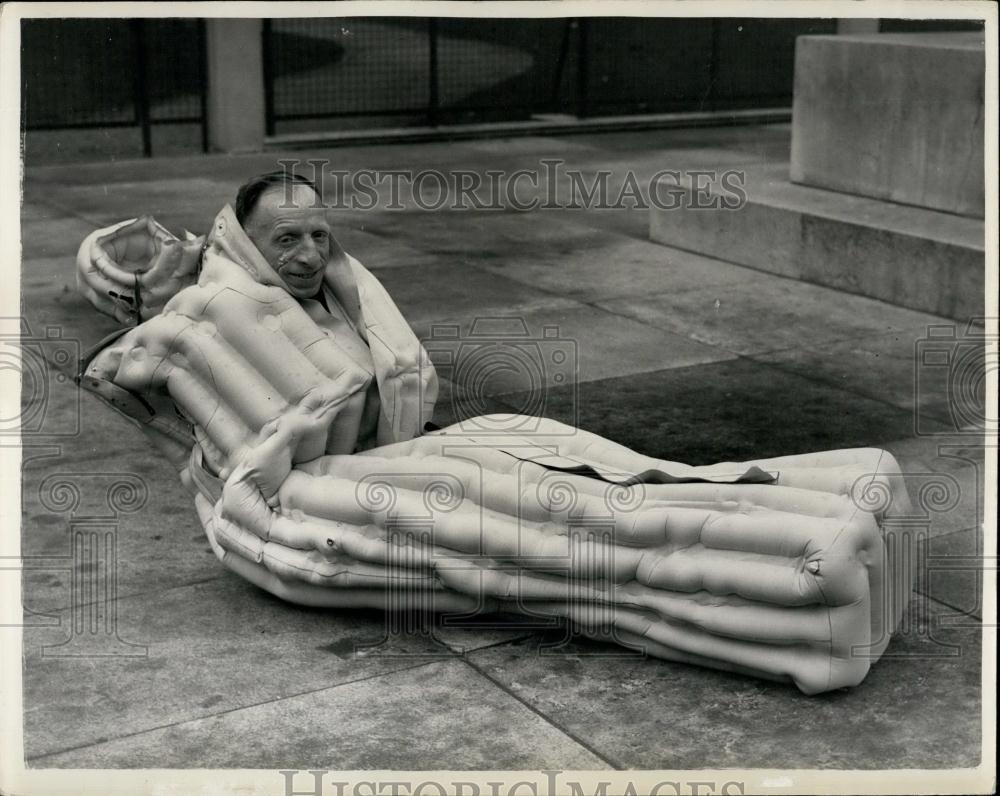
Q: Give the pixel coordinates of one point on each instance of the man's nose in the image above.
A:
(310, 253)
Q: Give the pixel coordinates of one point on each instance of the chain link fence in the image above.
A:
(134, 77)
(411, 71)
(113, 73)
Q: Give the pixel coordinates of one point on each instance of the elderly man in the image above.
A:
(277, 248)
(278, 375)
(284, 218)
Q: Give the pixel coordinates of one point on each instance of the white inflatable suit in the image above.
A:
(301, 431)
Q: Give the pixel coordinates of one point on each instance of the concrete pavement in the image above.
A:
(679, 356)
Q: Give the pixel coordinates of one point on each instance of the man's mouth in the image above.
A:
(302, 279)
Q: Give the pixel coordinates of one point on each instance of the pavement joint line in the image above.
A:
(942, 604)
(594, 302)
(594, 305)
(932, 415)
(834, 341)
(754, 358)
(119, 598)
(967, 464)
(611, 762)
(73, 213)
(453, 656)
(845, 389)
(945, 604)
(536, 126)
(938, 318)
(805, 282)
(713, 363)
(180, 722)
(749, 138)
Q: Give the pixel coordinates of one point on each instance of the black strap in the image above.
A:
(88, 356)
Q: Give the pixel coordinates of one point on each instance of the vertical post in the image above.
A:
(554, 105)
(433, 99)
(236, 115)
(713, 68)
(140, 89)
(582, 103)
(203, 72)
(268, 68)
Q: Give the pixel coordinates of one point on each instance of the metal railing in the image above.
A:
(413, 70)
(106, 73)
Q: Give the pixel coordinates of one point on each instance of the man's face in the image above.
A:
(291, 231)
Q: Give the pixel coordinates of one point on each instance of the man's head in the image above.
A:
(283, 215)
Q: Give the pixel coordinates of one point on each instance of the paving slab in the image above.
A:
(203, 649)
(918, 708)
(375, 251)
(616, 176)
(772, 143)
(456, 403)
(946, 482)
(189, 190)
(177, 203)
(769, 313)
(525, 353)
(951, 573)
(234, 169)
(111, 471)
(945, 451)
(52, 305)
(945, 476)
(619, 267)
(532, 146)
(482, 236)
(55, 237)
(722, 411)
(621, 176)
(40, 211)
(888, 366)
(452, 291)
(421, 718)
(771, 140)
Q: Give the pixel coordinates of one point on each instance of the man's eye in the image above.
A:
(286, 240)
(321, 235)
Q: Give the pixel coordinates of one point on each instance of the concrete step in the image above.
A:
(895, 116)
(916, 258)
